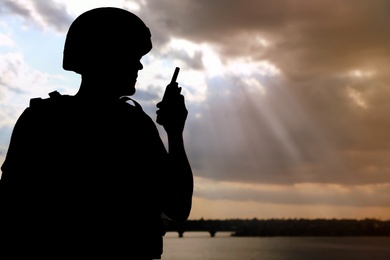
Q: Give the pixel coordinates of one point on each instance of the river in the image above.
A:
(200, 246)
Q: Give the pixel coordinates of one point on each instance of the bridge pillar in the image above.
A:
(180, 233)
(212, 233)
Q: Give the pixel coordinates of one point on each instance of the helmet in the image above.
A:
(102, 34)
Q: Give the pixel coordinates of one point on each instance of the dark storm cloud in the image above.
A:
(310, 38)
(324, 119)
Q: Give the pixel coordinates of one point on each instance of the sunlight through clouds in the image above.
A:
(133, 6)
(212, 62)
(249, 67)
(357, 97)
(362, 73)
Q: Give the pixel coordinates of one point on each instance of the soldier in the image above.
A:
(87, 175)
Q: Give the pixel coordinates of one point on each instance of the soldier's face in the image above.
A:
(126, 74)
(119, 71)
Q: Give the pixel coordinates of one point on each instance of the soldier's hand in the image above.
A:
(172, 113)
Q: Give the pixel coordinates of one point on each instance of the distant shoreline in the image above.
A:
(285, 227)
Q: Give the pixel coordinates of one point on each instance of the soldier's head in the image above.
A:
(106, 44)
(106, 40)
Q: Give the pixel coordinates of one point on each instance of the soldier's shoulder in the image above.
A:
(54, 98)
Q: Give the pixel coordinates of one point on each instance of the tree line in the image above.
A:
(288, 227)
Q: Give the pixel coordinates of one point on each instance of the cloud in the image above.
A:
(283, 133)
(43, 14)
(304, 194)
(181, 51)
(322, 118)
(15, 7)
(304, 39)
(54, 14)
(6, 41)
(16, 74)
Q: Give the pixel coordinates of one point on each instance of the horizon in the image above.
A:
(266, 219)
(288, 100)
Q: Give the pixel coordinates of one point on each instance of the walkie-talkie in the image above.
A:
(172, 88)
(175, 74)
(170, 92)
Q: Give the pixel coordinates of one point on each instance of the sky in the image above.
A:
(288, 100)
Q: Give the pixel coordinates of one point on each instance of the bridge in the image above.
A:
(284, 227)
(210, 226)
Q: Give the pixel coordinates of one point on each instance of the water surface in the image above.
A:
(200, 246)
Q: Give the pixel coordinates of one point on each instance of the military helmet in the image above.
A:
(101, 34)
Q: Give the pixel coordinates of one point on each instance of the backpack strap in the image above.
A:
(136, 104)
(35, 102)
(54, 95)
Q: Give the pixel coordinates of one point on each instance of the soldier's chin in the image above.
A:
(131, 91)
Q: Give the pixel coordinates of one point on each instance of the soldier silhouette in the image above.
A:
(87, 175)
